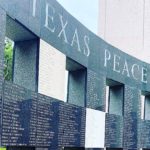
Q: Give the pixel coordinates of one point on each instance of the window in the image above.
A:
(8, 59)
(115, 97)
(107, 99)
(61, 77)
(76, 83)
(39, 67)
(145, 106)
(24, 55)
(142, 106)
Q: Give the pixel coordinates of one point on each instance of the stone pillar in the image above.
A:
(76, 87)
(2, 41)
(132, 105)
(96, 91)
(25, 64)
(116, 100)
(76, 83)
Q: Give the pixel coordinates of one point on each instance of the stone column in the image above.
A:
(2, 41)
(132, 105)
(25, 64)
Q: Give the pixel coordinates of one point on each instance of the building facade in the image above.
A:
(125, 24)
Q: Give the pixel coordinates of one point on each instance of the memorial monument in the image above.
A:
(30, 120)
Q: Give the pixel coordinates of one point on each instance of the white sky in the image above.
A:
(86, 11)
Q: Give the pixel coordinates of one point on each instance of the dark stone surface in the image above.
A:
(147, 108)
(31, 119)
(35, 21)
(132, 105)
(77, 87)
(47, 122)
(114, 131)
(71, 126)
(114, 148)
(132, 149)
(132, 97)
(94, 149)
(76, 148)
(43, 148)
(58, 41)
(20, 148)
(96, 91)
(2, 39)
(7, 6)
(17, 32)
(1, 106)
(145, 134)
(12, 98)
(72, 65)
(79, 148)
(25, 64)
(23, 8)
(23, 12)
(116, 99)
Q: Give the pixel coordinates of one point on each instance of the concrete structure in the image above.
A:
(87, 119)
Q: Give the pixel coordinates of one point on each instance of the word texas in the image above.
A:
(71, 37)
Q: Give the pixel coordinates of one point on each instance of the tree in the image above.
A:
(8, 57)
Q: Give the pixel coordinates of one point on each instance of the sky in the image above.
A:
(86, 11)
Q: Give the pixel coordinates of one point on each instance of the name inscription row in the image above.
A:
(36, 120)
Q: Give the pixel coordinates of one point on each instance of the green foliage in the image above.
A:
(2, 148)
(8, 60)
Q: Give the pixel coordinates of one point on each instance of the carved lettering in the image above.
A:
(63, 27)
(86, 49)
(144, 75)
(126, 69)
(134, 68)
(34, 8)
(49, 18)
(116, 66)
(107, 57)
(75, 40)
